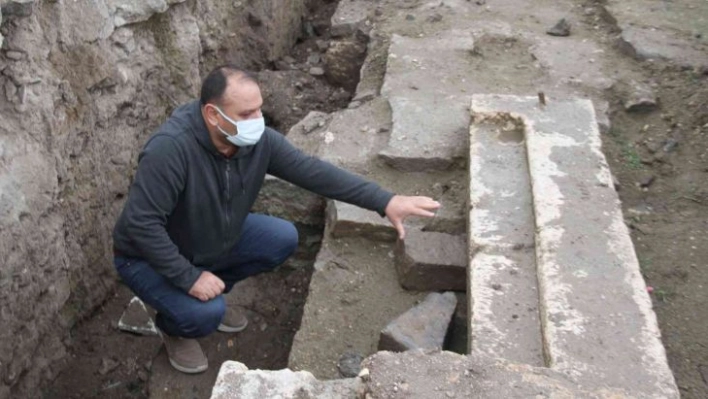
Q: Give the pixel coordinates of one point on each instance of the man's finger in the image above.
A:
(399, 227)
(423, 212)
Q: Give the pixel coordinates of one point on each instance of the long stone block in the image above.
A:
(236, 381)
(346, 220)
(598, 324)
(430, 118)
(422, 327)
(429, 261)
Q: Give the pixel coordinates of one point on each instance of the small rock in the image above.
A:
(314, 59)
(647, 181)
(410, 17)
(142, 375)
(480, 2)
(289, 59)
(435, 18)
(561, 28)
(354, 104)
(136, 319)
(317, 71)
(15, 55)
(497, 287)
(107, 365)
(640, 98)
(349, 365)
(670, 145)
(323, 45)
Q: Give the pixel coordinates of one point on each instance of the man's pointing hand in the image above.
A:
(401, 206)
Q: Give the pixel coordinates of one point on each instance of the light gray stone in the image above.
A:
(561, 28)
(423, 375)
(346, 220)
(430, 122)
(126, 12)
(605, 340)
(640, 98)
(136, 319)
(429, 261)
(236, 381)
(349, 17)
(422, 327)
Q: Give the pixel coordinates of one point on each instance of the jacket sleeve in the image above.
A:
(323, 178)
(159, 180)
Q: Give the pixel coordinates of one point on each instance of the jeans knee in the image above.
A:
(204, 319)
(288, 240)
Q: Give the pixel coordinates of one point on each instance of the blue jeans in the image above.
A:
(265, 243)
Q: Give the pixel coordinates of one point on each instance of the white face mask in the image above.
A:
(248, 132)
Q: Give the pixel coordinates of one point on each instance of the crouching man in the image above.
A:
(186, 235)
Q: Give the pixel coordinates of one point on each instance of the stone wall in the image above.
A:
(83, 83)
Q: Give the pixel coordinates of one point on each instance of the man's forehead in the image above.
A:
(241, 92)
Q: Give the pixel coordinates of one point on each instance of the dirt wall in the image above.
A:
(83, 83)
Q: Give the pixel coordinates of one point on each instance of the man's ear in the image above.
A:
(211, 115)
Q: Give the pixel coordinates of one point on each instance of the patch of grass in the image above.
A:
(663, 295)
(631, 157)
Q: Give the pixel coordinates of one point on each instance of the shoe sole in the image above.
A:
(228, 329)
(188, 370)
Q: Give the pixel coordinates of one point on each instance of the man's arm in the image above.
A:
(159, 180)
(323, 178)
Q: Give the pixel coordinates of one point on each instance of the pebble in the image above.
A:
(349, 365)
(316, 71)
(314, 59)
(670, 145)
(435, 18)
(647, 181)
(561, 28)
(15, 55)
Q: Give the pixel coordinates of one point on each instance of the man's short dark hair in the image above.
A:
(214, 84)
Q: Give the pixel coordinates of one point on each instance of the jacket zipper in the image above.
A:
(227, 199)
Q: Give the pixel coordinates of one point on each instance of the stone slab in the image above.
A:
(598, 323)
(236, 381)
(349, 17)
(346, 220)
(656, 29)
(136, 319)
(353, 295)
(430, 120)
(422, 327)
(429, 261)
(424, 375)
(288, 201)
(503, 287)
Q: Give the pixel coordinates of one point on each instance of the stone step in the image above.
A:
(354, 293)
(236, 381)
(430, 118)
(421, 327)
(597, 319)
(430, 261)
(502, 275)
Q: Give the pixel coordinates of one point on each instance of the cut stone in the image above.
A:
(346, 220)
(288, 201)
(349, 17)
(136, 319)
(428, 261)
(430, 122)
(422, 327)
(423, 375)
(598, 324)
(561, 28)
(236, 381)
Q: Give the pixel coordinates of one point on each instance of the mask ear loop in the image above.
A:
(232, 122)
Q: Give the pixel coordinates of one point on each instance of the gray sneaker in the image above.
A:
(185, 354)
(234, 320)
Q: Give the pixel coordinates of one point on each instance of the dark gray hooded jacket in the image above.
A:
(188, 202)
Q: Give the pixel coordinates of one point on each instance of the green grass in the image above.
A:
(631, 157)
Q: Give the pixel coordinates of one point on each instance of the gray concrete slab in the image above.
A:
(598, 323)
(421, 327)
(354, 294)
(675, 31)
(503, 288)
(236, 381)
(425, 375)
(429, 122)
(429, 261)
(346, 220)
